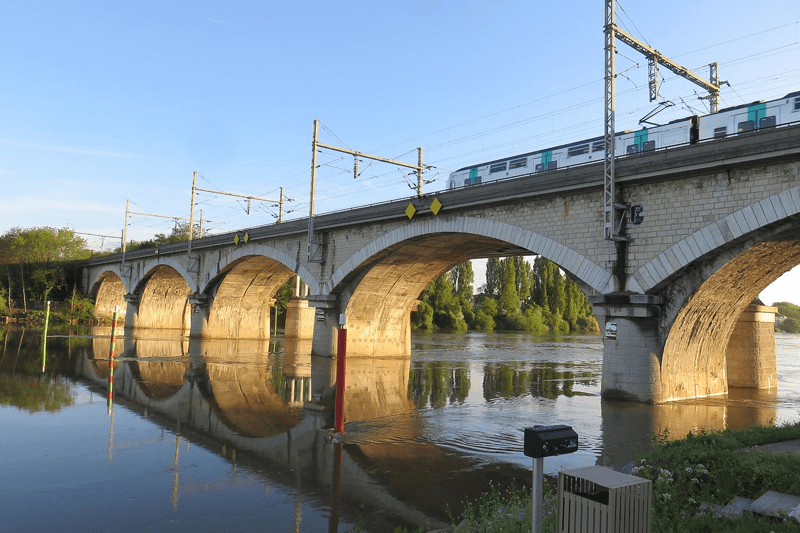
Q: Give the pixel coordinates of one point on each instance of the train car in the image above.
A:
(734, 120)
(751, 117)
(586, 151)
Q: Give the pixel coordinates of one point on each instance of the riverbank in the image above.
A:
(693, 478)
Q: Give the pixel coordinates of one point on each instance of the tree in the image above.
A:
(509, 297)
(463, 277)
(493, 277)
(40, 256)
(440, 296)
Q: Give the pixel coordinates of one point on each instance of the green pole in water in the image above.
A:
(44, 335)
(111, 349)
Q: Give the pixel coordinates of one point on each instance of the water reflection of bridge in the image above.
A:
(243, 400)
(247, 397)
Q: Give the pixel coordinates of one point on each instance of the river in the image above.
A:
(221, 436)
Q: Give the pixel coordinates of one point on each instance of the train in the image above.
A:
(733, 120)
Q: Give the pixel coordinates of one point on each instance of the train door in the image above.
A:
(547, 161)
(758, 116)
(474, 178)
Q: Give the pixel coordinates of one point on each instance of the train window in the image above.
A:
(648, 146)
(517, 163)
(477, 180)
(633, 149)
(552, 165)
(720, 132)
(581, 149)
(599, 146)
(797, 104)
(747, 125)
(767, 122)
(539, 167)
(497, 167)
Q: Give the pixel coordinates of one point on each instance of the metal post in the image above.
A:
(191, 211)
(44, 335)
(200, 234)
(419, 172)
(713, 77)
(537, 494)
(341, 350)
(609, 214)
(313, 190)
(280, 208)
(125, 229)
(313, 169)
(111, 349)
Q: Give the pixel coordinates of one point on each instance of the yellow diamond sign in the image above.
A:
(246, 237)
(236, 240)
(436, 206)
(410, 210)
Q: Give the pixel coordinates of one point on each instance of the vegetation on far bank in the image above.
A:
(789, 317)
(517, 296)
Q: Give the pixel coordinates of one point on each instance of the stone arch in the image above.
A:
(108, 290)
(162, 297)
(718, 235)
(706, 301)
(240, 296)
(168, 262)
(579, 266)
(378, 286)
(248, 250)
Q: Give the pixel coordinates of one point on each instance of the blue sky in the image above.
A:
(108, 101)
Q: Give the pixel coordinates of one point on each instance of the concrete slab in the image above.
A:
(788, 446)
(737, 507)
(774, 504)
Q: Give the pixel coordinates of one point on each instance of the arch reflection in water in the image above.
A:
(627, 427)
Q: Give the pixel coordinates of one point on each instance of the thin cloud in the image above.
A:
(65, 149)
(219, 21)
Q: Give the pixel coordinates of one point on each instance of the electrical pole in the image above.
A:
(609, 212)
(314, 247)
(191, 211)
(316, 145)
(613, 212)
(125, 228)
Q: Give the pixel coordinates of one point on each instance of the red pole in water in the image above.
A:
(111, 357)
(341, 349)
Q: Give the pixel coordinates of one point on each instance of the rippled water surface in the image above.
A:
(211, 436)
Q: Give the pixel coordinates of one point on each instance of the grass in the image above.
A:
(714, 467)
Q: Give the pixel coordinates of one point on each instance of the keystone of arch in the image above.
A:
(106, 270)
(168, 261)
(250, 250)
(579, 265)
(715, 235)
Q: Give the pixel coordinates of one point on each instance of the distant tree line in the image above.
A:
(37, 265)
(518, 295)
(791, 321)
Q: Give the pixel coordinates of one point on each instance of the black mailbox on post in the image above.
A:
(546, 441)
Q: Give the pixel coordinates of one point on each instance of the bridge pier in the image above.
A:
(199, 321)
(750, 355)
(632, 347)
(132, 311)
(299, 320)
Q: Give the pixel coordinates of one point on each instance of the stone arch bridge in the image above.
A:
(721, 221)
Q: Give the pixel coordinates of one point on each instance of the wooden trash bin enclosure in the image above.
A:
(597, 499)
